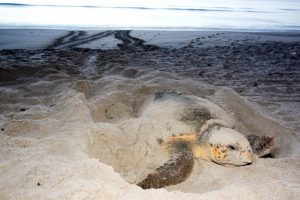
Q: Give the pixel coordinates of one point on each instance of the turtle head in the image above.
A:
(228, 147)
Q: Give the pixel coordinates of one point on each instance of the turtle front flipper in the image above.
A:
(261, 145)
(175, 171)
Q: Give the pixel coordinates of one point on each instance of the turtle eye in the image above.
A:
(231, 147)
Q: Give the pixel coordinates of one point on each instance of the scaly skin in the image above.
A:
(184, 148)
(262, 145)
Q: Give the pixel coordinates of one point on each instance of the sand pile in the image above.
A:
(66, 138)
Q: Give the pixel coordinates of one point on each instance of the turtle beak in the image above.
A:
(247, 157)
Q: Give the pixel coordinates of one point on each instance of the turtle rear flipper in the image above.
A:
(261, 145)
(175, 171)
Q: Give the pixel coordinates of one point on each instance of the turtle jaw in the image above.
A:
(247, 157)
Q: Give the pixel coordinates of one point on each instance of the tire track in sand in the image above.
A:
(132, 43)
(61, 40)
(75, 38)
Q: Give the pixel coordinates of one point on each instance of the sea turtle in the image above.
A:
(213, 141)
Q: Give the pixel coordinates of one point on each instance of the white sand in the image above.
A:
(95, 138)
(69, 148)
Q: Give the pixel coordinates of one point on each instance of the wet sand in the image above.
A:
(73, 122)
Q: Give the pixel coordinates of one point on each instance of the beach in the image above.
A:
(75, 122)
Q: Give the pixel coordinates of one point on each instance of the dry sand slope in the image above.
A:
(82, 124)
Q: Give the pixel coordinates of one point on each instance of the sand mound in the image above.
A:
(66, 138)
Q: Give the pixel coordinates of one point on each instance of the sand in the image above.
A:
(78, 117)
